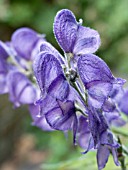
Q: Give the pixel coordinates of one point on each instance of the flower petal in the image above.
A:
(47, 47)
(102, 156)
(88, 41)
(123, 103)
(58, 119)
(83, 132)
(96, 77)
(97, 125)
(3, 76)
(98, 93)
(59, 88)
(38, 121)
(65, 29)
(3, 51)
(115, 157)
(46, 68)
(20, 89)
(24, 40)
(114, 118)
(91, 68)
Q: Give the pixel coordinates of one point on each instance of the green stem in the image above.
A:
(79, 110)
(123, 167)
(119, 132)
(78, 90)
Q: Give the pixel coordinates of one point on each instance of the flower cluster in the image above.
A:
(77, 91)
(16, 59)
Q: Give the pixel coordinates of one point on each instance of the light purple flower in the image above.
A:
(114, 118)
(97, 78)
(72, 37)
(38, 121)
(24, 41)
(95, 134)
(48, 48)
(123, 103)
(3, 76)
(21, 90)
(57, 101)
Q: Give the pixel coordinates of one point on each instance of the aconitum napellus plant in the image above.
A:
(75, 91)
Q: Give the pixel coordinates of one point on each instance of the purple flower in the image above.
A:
(38, 121)
(57, 101)
(46, 68)
(114, 118)
(21, 90)
(3, 76)
(97, 78)
(24, 40)
(48, 48)
(123, 103)
(94, 134)
(3, 50)
(72, 37)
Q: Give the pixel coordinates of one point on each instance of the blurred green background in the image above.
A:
(110, 18)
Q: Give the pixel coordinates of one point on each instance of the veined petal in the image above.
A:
(109, 106)
(38, 121)
(46, 68)
(65, 29)
(20, 89)
(91, 68)
(114, 118)
(102, 156)
(59, 88)
(115, 157)
(97, 125)
(47, 47)
(107, 138)
(96, 77)
(62, 117)
(98, 93)
(83, 132)
(24, 40)
(88, 41)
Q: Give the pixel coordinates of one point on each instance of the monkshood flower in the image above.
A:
(38, 121)
(26, 41)
(88, 136)
(72, 36)
(21, 90)
(97, 78)
(57, 103)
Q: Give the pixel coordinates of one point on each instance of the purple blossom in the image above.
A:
(24, 40)
(38, 121)
(21, 90)
(94, 134)
(3, 76)
(97, 78)
(68, 34)
(123, 103)
(57, 102)
(114, 118)
(3, 51)
(48, 48)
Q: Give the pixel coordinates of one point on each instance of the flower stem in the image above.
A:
(120, 132)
